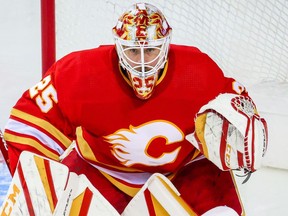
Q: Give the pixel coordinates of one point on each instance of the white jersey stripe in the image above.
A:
(19, 127)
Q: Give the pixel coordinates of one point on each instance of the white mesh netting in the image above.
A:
(248, 39)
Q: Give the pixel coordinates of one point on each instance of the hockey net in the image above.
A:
(248, 39)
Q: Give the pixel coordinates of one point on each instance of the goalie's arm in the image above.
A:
(37, 124)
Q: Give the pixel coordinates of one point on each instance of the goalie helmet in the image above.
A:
(142, 37)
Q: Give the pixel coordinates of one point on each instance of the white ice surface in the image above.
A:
(265, 194)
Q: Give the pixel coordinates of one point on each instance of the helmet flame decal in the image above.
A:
(141, 21)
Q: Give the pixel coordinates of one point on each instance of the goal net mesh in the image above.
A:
(248, 39)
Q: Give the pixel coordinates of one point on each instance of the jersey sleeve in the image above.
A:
(220, 83)
(37, 124)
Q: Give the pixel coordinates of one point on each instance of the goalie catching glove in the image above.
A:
(230, 133)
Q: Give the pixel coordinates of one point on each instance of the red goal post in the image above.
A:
(48, 35)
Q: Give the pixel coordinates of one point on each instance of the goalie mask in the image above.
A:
(142, 37)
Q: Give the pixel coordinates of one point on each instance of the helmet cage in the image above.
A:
(141, 68)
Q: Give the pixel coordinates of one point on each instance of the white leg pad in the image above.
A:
(159, 197)
(221, 211)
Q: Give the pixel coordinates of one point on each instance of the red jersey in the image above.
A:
(85, 97)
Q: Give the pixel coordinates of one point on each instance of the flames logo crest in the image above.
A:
(130, 146)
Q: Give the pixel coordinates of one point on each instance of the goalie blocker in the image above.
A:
(230, 133)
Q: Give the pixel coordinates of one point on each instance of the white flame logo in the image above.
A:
(130, 146)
